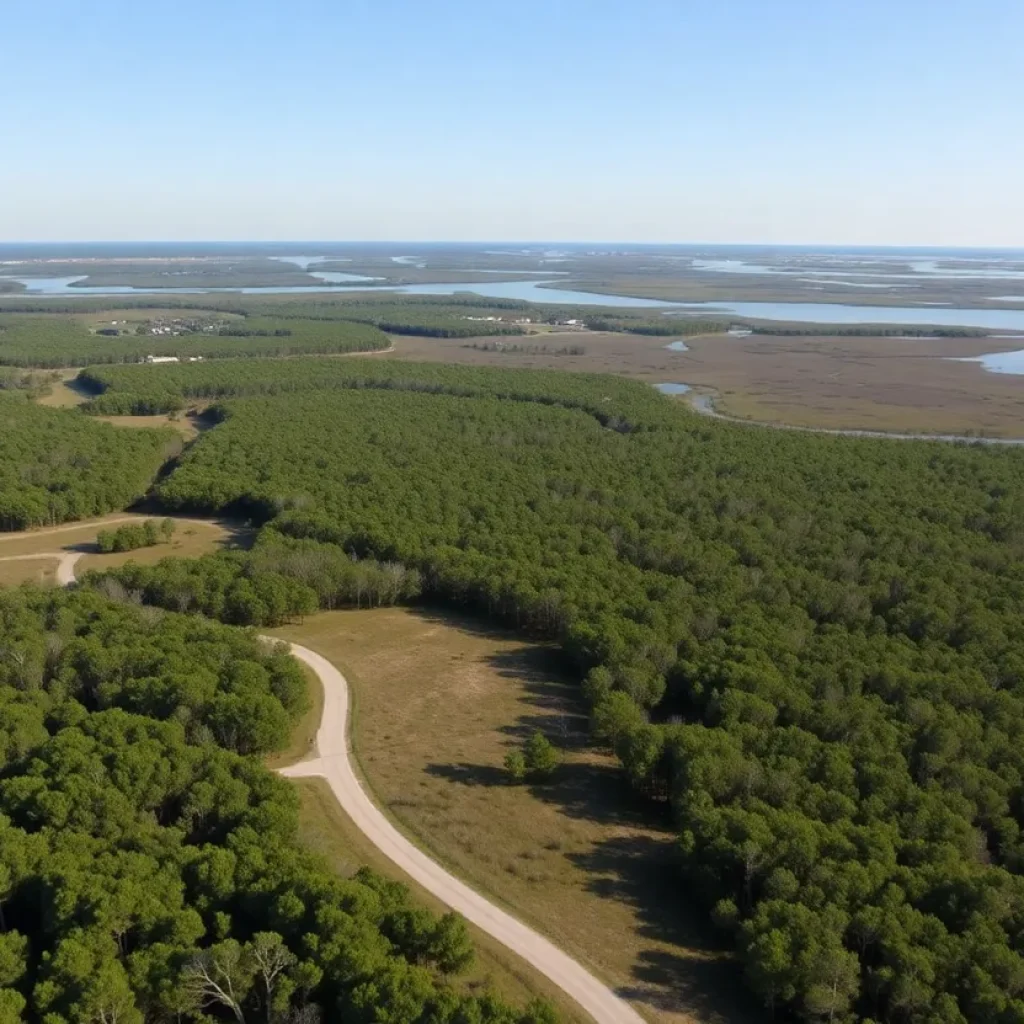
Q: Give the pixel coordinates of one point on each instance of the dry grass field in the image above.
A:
(438, 701)
(64, 395)
(328, 831)
(835, 382)
(191, 538)
(41, 570)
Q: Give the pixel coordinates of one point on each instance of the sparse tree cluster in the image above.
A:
(132, 536)
(536, 761)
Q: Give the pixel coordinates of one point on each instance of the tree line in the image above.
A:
(55, 341)
(132, 536)
(282, 579)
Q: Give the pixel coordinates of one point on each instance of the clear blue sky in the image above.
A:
(879, 121)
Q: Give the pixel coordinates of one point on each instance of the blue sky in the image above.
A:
(801, 121)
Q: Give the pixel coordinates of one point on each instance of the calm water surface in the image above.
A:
(673, 389)
(532, 291)
(999, 362)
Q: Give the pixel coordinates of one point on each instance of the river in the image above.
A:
(540, 293)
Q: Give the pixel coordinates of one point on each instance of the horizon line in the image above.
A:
(517, 242)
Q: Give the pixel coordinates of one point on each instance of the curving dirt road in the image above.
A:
(83, 524)
(334, 764)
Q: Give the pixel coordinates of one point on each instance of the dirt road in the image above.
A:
(66, 563)
(334, 764)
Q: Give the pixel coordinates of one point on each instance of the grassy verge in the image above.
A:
(325, 829)
(328, 831)
(439, 701)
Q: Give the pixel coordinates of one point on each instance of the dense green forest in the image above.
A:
(810, 645)
(56, 341)
(281, 579)
(149, 865)
(57, 465)
(141, 390)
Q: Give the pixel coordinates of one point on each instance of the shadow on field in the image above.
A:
(638, 864)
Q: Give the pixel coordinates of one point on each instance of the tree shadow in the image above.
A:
(640, 868)
(465, 774)
(643, 871)
(710, 987)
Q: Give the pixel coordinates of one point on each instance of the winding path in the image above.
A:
(333, 763)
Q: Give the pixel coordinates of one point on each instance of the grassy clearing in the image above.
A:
(327, 830)
(63, 394)
(192, 537)
(438, 702)
(42, 571)
(62, 538)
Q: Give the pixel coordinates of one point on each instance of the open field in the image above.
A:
(578, 858)
(871, 383)
(63, 394)
(41, 570)
(193, 537)
(327, 830)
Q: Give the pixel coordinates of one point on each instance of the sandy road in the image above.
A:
(334, 764)
(82, 525)
(66, 562)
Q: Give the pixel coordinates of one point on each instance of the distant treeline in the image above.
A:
(667, 327)
(833, 330)
(56, 341)
(530, 350)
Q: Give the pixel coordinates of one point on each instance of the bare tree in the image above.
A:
(221, 975)
(271, 957)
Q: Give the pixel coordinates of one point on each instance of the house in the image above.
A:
(162, 359)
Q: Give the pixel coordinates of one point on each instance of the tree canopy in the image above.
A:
(57, 465)
(149, 866)
(810, 645)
